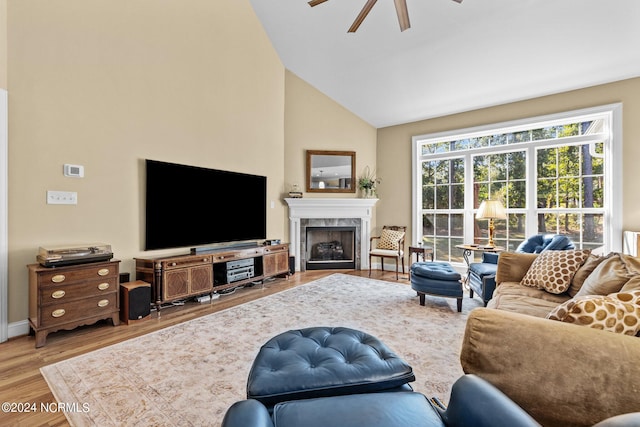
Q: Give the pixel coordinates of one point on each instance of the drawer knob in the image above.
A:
(103, 272)
(173, 264)
(103, 286)
(58, 294)
(58, 278)
(58, 313)
(103, 303)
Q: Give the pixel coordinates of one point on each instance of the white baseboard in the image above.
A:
(17, 329)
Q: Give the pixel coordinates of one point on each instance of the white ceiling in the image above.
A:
(455, 57)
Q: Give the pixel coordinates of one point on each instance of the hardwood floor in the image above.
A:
(22, 384)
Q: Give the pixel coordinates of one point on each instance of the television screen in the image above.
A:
(194, 206)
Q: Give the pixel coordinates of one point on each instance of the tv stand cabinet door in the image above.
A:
(201, 279)
(175, 284)
(188, 281)
(276, 261)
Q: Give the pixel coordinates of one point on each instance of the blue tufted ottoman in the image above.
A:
(324, 361)
(436, 278)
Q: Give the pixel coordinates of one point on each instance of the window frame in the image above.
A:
(612, 113)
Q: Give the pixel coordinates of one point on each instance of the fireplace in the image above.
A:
(326, 212)
(330, 248)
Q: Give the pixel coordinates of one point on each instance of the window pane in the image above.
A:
(428, 197)
(457, 225)
(517, 195)
(442, 197)
(592, 192)
(457, 196)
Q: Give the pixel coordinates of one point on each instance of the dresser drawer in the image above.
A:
(59, 276)
(60, 293)
(63, 312)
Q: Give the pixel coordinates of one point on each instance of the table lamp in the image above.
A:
(491, 209)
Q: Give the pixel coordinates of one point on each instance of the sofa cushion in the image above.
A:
(619, 312)
(512, 296)
(553, 270)
(389, 239)
(610, 275)
(583, 272)
(513, 266)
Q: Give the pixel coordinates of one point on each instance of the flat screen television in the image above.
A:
(195, 206)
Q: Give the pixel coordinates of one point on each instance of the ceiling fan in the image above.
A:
(401, 10)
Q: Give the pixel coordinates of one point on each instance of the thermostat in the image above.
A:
(75, 171)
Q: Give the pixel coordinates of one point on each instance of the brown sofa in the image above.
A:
(562, 374)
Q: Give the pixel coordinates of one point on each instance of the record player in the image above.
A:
(70, 255)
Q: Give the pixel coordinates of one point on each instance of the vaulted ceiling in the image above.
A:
(456, 56)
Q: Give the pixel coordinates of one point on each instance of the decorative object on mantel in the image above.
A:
(295, 192)
(367, 183)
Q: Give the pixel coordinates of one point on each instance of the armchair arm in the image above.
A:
(247, 413)
(475, 402)
(555, 371)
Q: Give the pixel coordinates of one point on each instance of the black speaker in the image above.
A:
(135, 301)
(292, 265)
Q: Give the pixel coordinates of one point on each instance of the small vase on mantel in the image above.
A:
(368, 193)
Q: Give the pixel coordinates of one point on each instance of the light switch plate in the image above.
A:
(62, 197)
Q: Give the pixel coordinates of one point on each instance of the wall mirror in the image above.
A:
(331, 171)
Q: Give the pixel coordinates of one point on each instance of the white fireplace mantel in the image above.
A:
(330, 208)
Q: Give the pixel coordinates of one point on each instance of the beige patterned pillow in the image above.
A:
(618, 312)
(389, 239)
(553, 270)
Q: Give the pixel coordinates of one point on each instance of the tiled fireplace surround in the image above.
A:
(330, 212)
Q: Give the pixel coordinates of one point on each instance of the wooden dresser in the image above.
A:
(71, 296)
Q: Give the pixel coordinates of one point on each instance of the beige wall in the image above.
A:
(313, 121)
(3, 44)
(106, 84)
(394, 143)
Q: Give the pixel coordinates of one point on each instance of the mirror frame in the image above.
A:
(352, 184)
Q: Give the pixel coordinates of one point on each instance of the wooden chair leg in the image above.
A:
(397, 269)
(369, 265)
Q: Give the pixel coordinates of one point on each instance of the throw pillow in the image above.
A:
(513, 266)
(553, 270)
(611, 275)
(389, 239)
(618, 312)
(585, 271)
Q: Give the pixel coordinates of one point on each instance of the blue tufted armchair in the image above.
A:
(545, 242)
(482, 275)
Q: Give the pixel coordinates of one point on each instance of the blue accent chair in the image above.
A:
(482, 275)
(545, 242)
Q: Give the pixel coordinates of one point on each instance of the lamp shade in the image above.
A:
(491, 209)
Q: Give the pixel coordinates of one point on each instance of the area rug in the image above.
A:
(190, 373)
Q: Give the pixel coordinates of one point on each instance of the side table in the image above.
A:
(420, 251)
(467, 250)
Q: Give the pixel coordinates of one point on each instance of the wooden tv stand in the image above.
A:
(183, 276)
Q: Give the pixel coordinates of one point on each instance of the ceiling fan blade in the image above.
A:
(363, 14)
(403, 14)
(458, 1)
(317, 2)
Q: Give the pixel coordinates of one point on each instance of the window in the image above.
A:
(553, 174)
